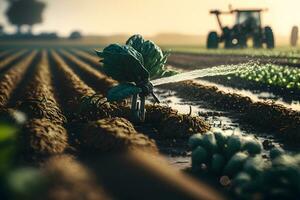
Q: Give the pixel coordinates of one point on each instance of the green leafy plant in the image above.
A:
(10, 123)
(25, 183)
(136, 62)
(270, 74)
(8, 134)
(133, 65)
(238, 164)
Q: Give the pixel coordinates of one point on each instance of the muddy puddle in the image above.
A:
(177, 152)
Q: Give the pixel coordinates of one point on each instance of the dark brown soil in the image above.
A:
(171, 124)
(278, 119)
(41, 137)
(70, 180)
(113, 135)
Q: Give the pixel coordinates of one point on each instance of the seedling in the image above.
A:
(133, 65)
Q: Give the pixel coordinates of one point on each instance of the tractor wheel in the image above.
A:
(212, 40)
(269, 36)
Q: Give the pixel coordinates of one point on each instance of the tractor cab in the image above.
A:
(244, 17)
(248, 19)
(247, 26)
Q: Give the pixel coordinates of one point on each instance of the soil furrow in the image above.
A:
(9, 59)
(10, 80)
(86, 56)
(88, 74)
(37, 99)
(71, 86)
(77, 96)
(5, 53)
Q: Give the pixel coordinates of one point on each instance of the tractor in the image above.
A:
(247, 26)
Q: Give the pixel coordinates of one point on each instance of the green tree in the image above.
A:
(25, 12)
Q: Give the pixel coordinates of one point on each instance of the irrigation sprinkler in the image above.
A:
(138, 107)
(138, 92)
(138, 66)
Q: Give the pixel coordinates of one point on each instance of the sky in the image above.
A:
(150, 17)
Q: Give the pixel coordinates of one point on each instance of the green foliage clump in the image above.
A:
(270, 74)
(8, 146)
(237, 162)
(10, 123)
(25, 183)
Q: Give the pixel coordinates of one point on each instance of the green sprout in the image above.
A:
(134, 65)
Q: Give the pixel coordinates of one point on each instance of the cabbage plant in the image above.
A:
(134, 65)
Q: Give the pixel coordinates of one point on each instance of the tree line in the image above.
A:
(25, 13)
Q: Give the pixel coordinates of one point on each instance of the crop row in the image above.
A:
(4, 53)
(90, 75)
(168, 119)
(11, 78)
(83, 105)
(282, 76)
(275, 118)
(169, 122)
(10, 58)
(86, 56)
(43, 134)
(86, 110)
(38, 96)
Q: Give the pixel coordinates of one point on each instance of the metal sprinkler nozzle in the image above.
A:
(138, 108)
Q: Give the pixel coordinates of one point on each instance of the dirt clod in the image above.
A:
(171, 124)
(113, 135)
(42, 137)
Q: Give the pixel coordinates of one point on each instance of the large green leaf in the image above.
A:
(154, 58)
(122, 91)
(123, 63)
(136, 41)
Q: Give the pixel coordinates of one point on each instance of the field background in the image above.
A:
(163, 39)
